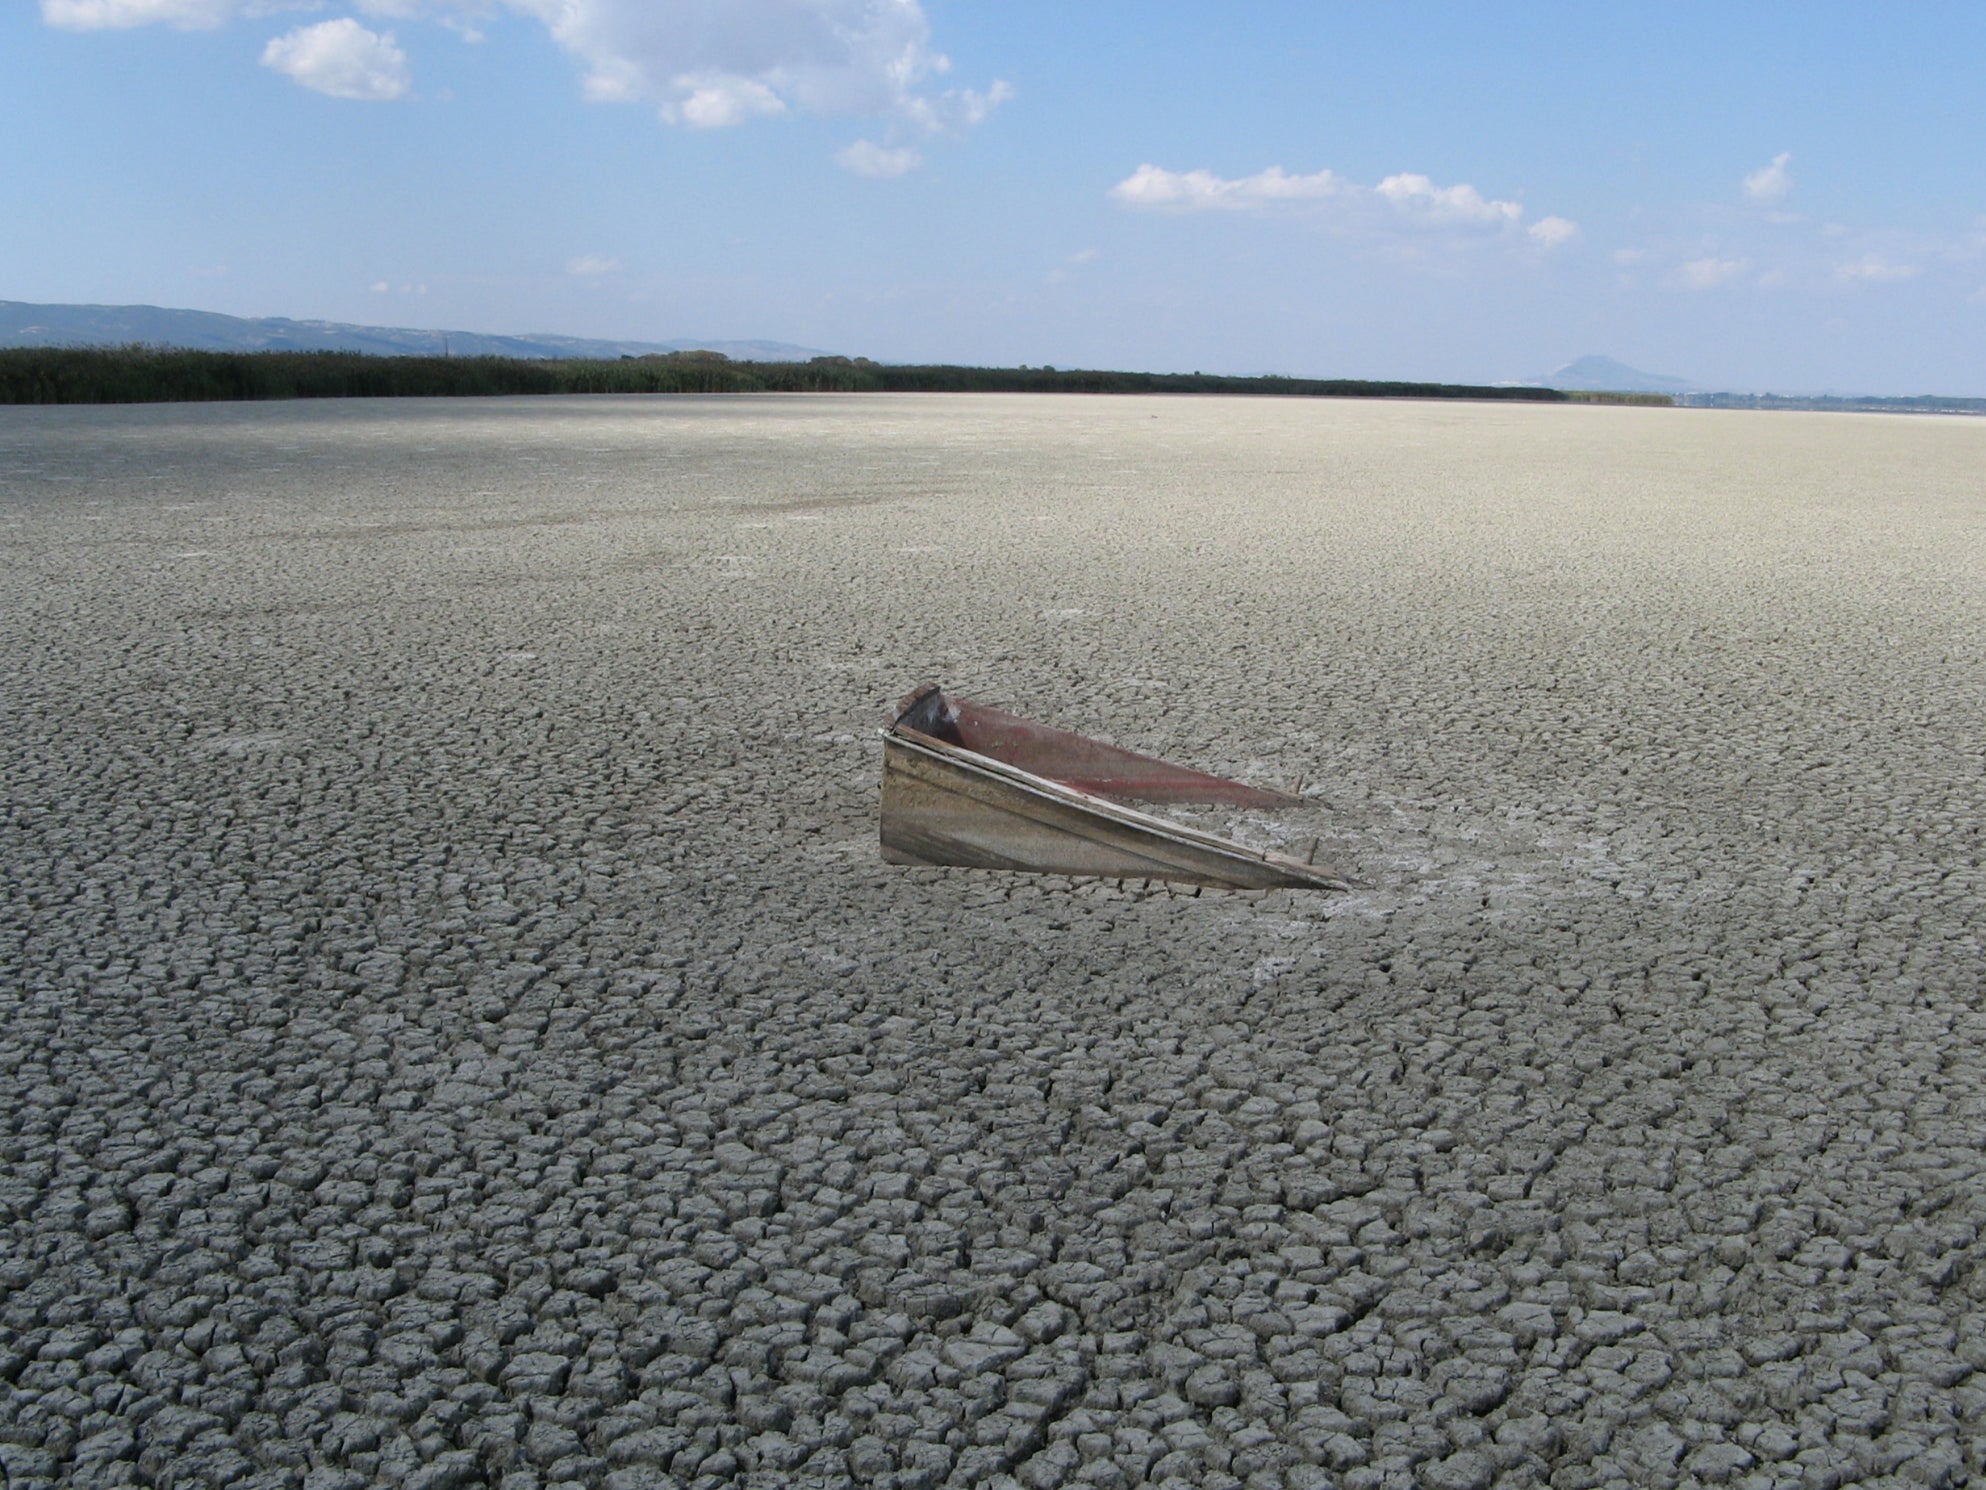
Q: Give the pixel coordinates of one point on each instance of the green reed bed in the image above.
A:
(141, 374)
(107, 375)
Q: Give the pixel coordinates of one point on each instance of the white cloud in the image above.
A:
(591, 266)
(1770, 183)
(1874, 269)
(955, 109)
(1085, 256)
(1709, 272)
(117, 15)
(1406, 199)
(1554, 232)
(718, 101)
(712, 65)
(380, 287)
(963, 108)
(463, 17)
(1200, 191)
(1420, 197)
(867, 158)
(343, 59)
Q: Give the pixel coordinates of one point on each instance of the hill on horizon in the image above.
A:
(1596, 374)
(23, 324)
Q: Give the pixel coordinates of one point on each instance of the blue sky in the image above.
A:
(1765, 196)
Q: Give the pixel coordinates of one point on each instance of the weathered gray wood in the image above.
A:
(1089, 765)
(946, 805)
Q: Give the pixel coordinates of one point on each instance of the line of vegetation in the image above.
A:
(143, 374)
(139, 374)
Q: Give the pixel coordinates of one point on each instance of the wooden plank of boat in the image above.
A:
(1072, 759)
(945, 803)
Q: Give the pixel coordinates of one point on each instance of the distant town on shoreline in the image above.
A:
(136, 353)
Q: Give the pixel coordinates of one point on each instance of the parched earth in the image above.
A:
(455, 1028)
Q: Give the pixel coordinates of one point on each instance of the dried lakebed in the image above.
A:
(455, 1027)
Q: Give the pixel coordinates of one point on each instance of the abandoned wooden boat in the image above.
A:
(972, 786)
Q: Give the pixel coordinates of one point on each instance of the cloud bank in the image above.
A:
(711, 65)
(703, 64)
(1406, 199)
(118, 15)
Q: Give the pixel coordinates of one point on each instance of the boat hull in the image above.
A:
(944, 805)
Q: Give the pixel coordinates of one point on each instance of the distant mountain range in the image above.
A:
(1604, 375)
(25, 325)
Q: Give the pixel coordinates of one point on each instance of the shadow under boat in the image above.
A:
(974, 787)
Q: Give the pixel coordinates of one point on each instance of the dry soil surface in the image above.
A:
(455, 1027)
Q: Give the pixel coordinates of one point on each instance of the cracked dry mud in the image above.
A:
(458, 1031)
